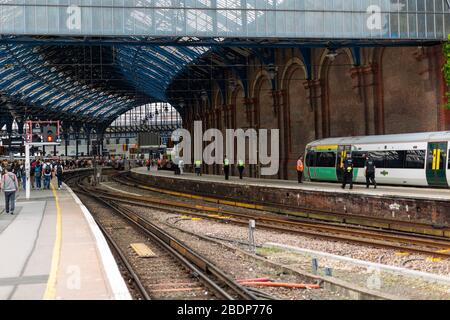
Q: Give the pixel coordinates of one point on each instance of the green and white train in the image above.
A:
(413, 159)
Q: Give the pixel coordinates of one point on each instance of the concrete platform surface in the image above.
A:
(390, 191)
(51, 248)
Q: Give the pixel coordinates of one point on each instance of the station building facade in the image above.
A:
(392, 90)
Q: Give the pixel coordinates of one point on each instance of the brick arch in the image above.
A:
(292, 64)
(343, 110)
(299, 116)
(262, 96)
(264, 115)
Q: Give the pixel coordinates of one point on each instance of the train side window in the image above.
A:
(415, 159)
(359, 159)
(326, 159)
(378, 158)
(395, 159)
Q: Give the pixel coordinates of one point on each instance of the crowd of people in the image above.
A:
(14, 177)
(41, 172)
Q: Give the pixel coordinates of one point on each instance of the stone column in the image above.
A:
(250, 110)
(280, 111)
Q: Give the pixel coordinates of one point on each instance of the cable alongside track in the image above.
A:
(211, 277)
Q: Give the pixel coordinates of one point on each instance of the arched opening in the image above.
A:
(266, 119)
(301, 118)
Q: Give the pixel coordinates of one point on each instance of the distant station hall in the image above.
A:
(225, 150)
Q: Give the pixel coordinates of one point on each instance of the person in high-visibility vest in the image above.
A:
(158, 162)
(348, 171)
(226, 168)
(241, 167)
(300, 169)
(198, 167)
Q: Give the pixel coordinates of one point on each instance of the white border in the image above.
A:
(116, 282)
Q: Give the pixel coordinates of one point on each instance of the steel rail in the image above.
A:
(374, 238)
(190, 259)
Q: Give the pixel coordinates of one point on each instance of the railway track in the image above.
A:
(401, 241)
(197, 274)
(300, 212)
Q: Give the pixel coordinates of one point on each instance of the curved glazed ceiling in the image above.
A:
(89, 85)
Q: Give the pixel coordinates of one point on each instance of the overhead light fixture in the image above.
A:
(332, 54)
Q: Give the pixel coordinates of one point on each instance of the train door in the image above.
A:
(340, 157)
(436, 164)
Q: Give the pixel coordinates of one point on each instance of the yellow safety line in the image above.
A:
(50, 291)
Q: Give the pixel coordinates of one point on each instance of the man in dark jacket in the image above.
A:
(369, 167)
(348, 171)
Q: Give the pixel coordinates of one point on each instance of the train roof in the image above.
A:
(390, 138)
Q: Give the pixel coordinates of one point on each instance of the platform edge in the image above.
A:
(116, 282)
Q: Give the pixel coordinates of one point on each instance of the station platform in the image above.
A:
(382, 191)
(51, 248)
(421, 205)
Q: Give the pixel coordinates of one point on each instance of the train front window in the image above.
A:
(448, 158)
(310, 159)
(326, 159)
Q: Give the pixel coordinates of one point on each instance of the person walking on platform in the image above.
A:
(9, 185)
(32, 168)
(241, 167)
(59, 173)
(300, 168)
(226, 168)
(47, 175)
(23, 175)
(369, 167)
(38, 174)
(198, 167)
(348, 171)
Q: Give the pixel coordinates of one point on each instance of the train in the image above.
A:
(412, 159)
